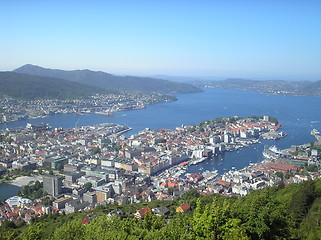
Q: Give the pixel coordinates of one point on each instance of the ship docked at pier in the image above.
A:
(315, 133)
(271, 152)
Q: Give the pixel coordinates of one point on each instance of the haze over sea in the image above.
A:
(298, 115)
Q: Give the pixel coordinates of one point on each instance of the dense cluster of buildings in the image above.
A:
(292, 165)
(13, 109)
(96, 165)
(18, 209)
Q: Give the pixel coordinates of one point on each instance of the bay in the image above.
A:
(298, 115)
(7, 191)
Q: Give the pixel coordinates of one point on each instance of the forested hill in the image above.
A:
(29, 87)
(295, 88)
(109, 81)
(292, 212)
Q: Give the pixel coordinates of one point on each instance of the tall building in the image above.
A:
(52, 185)
(227, 138)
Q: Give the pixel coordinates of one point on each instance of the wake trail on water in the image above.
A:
(313, 122)
(77, 123)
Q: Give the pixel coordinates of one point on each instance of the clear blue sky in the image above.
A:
(262, 39)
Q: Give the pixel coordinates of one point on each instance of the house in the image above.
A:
(141, 213)
(60, 203)
(90, 197)
(116, 212)
(178, 193)
(147, 196)
(88, 218)
(75, 206)
(183, 208)
(160, 211)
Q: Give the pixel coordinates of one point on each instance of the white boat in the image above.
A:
(274, 149)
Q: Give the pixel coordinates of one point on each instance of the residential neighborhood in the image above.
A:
(12, 109)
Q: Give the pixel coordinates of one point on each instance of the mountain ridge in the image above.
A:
(110, 81)
(27, 86)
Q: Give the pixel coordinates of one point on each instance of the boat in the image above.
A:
(109, 114)
(315, 132)
(268, 155)
(274, 149)
(271, 153)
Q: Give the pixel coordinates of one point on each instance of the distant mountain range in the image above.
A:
(31, 82)
(109, 81)
(296, 88)
(26, 86)
(187, 79)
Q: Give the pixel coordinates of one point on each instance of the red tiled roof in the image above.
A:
(143, 211)
(185, 207)
(282, 166)
(222, 182)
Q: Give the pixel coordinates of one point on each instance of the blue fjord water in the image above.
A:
(298, 115)
(7, 191)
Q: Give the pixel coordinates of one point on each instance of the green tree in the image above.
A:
(311, 225)
(59, 167)
(263, 217)
(32, 191)
(34, 232)
(289, 175)
(9, 234)
(47, 201)
(110, 228)
(280, 175)
(170, 191)
(117, 148)
(8, 225)
(209, 223)
(95, 150)
(88, 186)
(301, 201)
(190, 194)
(71, 230)
(312, 168)
(38, 185)
(232, 230)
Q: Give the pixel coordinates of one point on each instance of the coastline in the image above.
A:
(92, 111)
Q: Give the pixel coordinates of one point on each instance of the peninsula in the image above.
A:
(291, 88)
